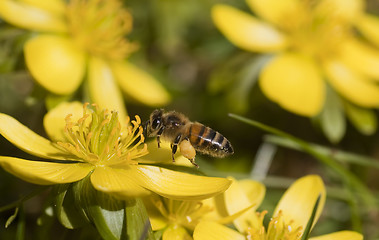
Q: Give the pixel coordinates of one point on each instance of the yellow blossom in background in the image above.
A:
(289, 220)
(95, 144)
(177, 219)
(313, 43)
(83, 38)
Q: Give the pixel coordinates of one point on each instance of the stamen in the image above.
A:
(97, 138)
(100, 26)
(277, 229)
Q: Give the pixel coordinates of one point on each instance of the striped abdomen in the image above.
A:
(208, 141)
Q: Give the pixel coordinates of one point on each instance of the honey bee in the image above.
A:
(177, 129)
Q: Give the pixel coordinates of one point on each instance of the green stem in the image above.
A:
(20, 232)
(337, 154)
(354, 210)
(346, 176)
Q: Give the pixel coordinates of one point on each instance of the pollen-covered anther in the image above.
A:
(98, 138)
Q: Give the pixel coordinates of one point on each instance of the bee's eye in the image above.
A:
(156, 122)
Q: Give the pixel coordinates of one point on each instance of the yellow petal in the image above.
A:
(346, 10)
(360, 57)
(295, 83)
(55, 63)
(30, 17)
(215, 231)
(216, 203)
(247, 32)
(351, 85)
(103, 88)
(28, 141)
(342, 235)
(298, 201)
(52, 6)
(45, 173)
(176, 232)
(117, 181)
(157, 220)
(178, 185)
(277, 12)
(54, 121)
(140, 85)
(241, 195)
(368, 25)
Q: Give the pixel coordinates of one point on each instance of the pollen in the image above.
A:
(277, 229)
(100, 27)
(98, 138)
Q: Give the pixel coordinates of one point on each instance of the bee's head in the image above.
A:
(154, 124)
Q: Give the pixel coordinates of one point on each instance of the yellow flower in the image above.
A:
(97, 145)
(289, 219)
(177, 219)
(311, 41)
(79, 38)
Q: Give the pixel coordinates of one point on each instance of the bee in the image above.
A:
(191, 137)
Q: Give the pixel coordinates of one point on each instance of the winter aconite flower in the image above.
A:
(289, 219)
(83, 38)
(177, 219)
(311, 41)
(98, 146)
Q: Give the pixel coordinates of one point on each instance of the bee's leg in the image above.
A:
(159, 136)
(193, 159)
(193, 162)
(174, 146)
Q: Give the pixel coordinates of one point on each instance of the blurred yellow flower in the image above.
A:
(289, 219)
(83, 38)
(312, 41)
(178, 219)
(98, 146)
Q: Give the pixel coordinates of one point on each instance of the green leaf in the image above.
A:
(332, 117)
(238, 95)
(311, 220)
(137, 221)
(11, 218)
(224, 77)
(341, 156)
(68, 214)
(103, 210)
(158, 234)
(237, 78)
(363, 119)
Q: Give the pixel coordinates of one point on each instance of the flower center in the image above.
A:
(98, 138)
(316, 30)
(277, 229)
(183, 213)
(100, 26)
